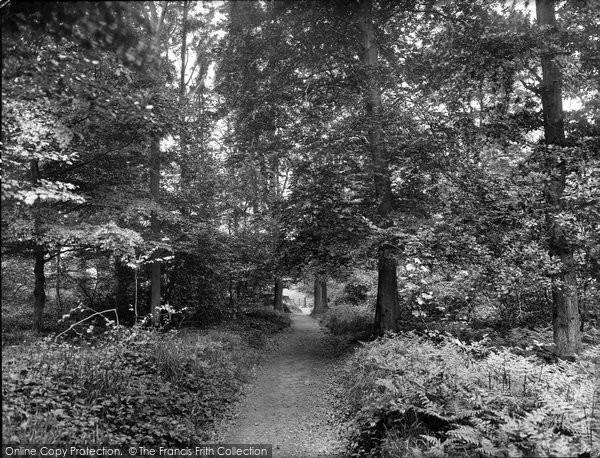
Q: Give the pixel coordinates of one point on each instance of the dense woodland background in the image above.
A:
(428, 166)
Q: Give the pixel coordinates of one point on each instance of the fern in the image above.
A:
(492, 403)
(467, 434)
(487, 448)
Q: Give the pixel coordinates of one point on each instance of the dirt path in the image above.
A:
(290, 404)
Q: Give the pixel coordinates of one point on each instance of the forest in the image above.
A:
(383, 213)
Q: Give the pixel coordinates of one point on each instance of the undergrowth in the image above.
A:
(415, 395)
(129, 386)
(354, 320)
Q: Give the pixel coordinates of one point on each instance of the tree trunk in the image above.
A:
(278, 300)
(39, 290)
(186, 167)
(57, 283)
(387, 311)
(155, 227)
(387, 307)
(84, 280)
(159, 21)
(183, 53)
(124, 277)
(324, 299)
(318, 304)
(155, 293)
(566, 319)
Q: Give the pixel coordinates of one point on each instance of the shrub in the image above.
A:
(128, 386)
(355, 293)
(413, 396)
(350, 319)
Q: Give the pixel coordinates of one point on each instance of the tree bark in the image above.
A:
(318, 302)
(155, 275)
(324, 299)
(57, 283)
(566, 319)
(124, 277)
(387, 307)
(84, 280)
(186, 167)
(183, 53)
(39, 290)
(155, 227)
(379, 156)
(278, 299)
(387, 311)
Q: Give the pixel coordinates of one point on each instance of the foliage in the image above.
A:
(434, 395)
(266, 173)
(128, 386)
(356, 320)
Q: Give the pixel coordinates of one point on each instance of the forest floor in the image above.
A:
(294, 402)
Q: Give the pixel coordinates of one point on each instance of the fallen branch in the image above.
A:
(87, 318)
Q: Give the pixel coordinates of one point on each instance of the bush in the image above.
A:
(350, 319)
(355, 293)
(128, 386)
(414, 396)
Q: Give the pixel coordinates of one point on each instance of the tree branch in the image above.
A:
(95, 158)
(60, 252)
(536, 90)
(87, 318)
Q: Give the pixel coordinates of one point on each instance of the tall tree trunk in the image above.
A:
(387, 308)
(186, 167)
(39, 290)
(155, 227)
(57, 283)
(84, 279)
(124, 278)
(318, 303)
(184, 29)
(278, 296)
(39, 252)
(387, 291)
(155, 275)
(566, 320)
(324, 299)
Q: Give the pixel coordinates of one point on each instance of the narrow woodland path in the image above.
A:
(290, 404)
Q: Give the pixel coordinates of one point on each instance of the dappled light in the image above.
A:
(361, 228)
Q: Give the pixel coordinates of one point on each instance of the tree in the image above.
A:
(255, 91)
(82, 96)
(566, 320)
(320, 293)
(157, 21)
(278, 296)
(318, 306)
(387, 310)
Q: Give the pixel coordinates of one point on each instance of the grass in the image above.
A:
(130, 386)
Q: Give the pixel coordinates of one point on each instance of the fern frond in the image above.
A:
(488, 448)
(431, 440)
(467, 434)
